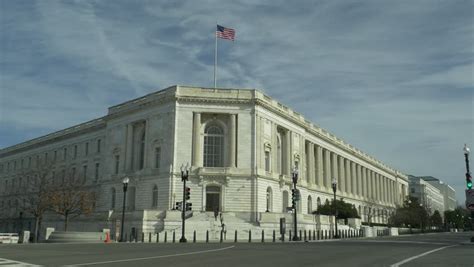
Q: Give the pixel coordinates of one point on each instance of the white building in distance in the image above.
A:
(449, 194)
(427, 194)
(241, 146)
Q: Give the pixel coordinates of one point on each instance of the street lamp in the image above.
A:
(468, 182)
(184, 178)
(295, 198)
(125, 185)
(421, 218)
(334, 187)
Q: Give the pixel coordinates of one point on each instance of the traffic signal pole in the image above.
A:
(184, 178)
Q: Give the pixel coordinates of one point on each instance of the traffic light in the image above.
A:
(189, 206)
(178, 205)
(468, 181)
(188, 193)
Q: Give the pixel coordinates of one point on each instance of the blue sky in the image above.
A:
(393, 78)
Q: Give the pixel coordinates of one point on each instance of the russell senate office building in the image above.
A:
(240, 146)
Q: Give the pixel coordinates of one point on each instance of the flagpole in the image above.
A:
(215, 60)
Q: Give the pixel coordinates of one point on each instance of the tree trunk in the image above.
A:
(37, 225)
(66, 217)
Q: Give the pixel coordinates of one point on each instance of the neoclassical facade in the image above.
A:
(240, 145)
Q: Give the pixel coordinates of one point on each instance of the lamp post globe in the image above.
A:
(125, 182)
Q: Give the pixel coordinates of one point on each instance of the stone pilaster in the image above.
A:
(359, 180)
(232, 139)
(197, 155)
(353, 178)
(312, 176)
(319, 169)
(327, 167)
(347, 174)
(342, 176)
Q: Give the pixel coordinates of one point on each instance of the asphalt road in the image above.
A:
(444, 249)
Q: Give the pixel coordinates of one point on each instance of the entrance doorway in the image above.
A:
(213, 197)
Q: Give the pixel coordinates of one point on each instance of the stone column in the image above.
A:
(385, 189)
(372, 185)
(129, 150)
(232, 139)
(287, 152)
(359, 180)
(353, 178)
(347, 174)
(364, 182)
(310, 166)
(342, 176)
(197, 155)
(327, 167)
(334, 171)
(319, 169)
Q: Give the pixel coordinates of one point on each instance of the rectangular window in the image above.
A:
(73, 173)
(1, 168)
(96, 175)
(117, 164)
(14, 165)
(75, 151)
(29, 162)
(157, 157)
(87, 149)
(98, 146)
(267, 161)
(63, 176)
(55, 155)
(46, 157)
(21, 165)
(37, 160)
(8, 166)
(84, 172)
(65, 153)
(53, 177)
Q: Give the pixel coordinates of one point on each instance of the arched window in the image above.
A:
(154, 196)
(279, 155)
(112, 195)
(318, 202)
(285, 201)
(213, 146)
(269, 199)
(310, 204)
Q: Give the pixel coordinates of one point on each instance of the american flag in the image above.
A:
(225, 33)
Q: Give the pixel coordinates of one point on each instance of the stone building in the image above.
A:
(241, 146)
(448, 193)
(428, 195)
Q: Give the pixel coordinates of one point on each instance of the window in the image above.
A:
(117, 164)
(37, 160)
(213, 146)
(53, 177)
(112, 195)
(87, 149)
(46, 157)
(65, 153)
(14, 165)
(141, 159)
(279, 155)
(63, 176)
(84, 172)
(73, 174)
(98, 146)
(310, 204)
(29, 162)
(154, 201)
(75, 151)
(55, 157)
(21, 164)
(413, 190)
(96, 173)
(285, 202)
(267, 161)
(157, 157)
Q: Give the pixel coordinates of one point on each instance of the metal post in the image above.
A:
(184, 178)
(295, 180)
(468, 174)
(125, 185)
(334, 187)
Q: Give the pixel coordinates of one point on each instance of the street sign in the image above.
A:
(470, 199)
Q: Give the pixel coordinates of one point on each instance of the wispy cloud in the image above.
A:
(394, 78)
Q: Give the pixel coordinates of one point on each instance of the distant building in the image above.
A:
(449, 194)
(241, 147)
(431, 193)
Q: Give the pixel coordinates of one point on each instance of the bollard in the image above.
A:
(235, 237)
(273, 236)
(263, 237)
(149, 237)
(157, 237)
(131, 237)
(220, 239)
(166, 237)
(289, 236)
(250, 236)
(304, 238)
(300, 236)
(143, 237)
(207, 236)
(283, 237)
(194, 236)
(174, 237)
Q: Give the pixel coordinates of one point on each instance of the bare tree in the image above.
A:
(35, 190)
(72, 199)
